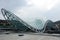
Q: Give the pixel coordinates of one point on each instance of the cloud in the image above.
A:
(11, 5)
(27, 9)
(43, 4)
(37, 9)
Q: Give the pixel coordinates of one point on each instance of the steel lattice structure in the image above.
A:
(10, 16)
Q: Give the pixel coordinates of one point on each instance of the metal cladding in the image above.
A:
(36, 26)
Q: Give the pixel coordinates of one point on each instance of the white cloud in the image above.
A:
(43, 4)
(37, 8)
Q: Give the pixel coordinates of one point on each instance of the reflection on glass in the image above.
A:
(36, 23)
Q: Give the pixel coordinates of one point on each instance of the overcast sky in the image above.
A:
(26, 9)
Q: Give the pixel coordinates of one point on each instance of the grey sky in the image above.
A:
(11, 5)
(45, 9)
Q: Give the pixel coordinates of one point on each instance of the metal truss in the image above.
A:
(10, 16)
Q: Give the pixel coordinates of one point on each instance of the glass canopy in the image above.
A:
(36, 23)
(32, 23)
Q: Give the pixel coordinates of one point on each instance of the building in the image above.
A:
(12, 22)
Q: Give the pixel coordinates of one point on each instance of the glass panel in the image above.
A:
(36, 23)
